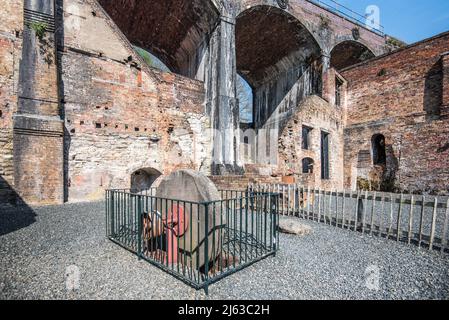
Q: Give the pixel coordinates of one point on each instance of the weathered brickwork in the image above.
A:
(328, 29)
(401, 96)
(445, 67)
(80, 111)
(11, 26)
(319, 116)
(119, 118)
(240, 183)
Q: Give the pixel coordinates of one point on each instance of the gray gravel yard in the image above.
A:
(37, 248)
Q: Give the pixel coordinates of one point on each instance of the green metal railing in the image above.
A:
(197, 242)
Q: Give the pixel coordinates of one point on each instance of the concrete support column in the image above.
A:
(222, 104)
(38, 128)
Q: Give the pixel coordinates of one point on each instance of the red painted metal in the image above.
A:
(175, 226)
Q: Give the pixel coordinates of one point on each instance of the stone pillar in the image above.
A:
(445, 84)
(328, 74)
(222, 104)
(38, 128)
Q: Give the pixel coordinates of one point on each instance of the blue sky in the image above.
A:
(408, 20)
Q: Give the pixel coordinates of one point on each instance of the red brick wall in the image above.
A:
(400, 95)
(120, 119)
(445, 65)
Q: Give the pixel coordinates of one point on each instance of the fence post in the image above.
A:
(274, 212)
(343, 210)
(364, 212)
(308, 202)
(319, 204)
(421, 220)
(434, 218)
(398, 225)
(373, 210)
(390, 226)
(139, 216)
(112, 204)
(443, 238)
(410, 219)
(356, 211)
(336, 208)
(206, 248)
(382, 213)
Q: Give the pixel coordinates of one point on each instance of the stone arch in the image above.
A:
(347, 53)
(307, 165)
(273, 49)
(251, 5)
(175, 31)
(142, 179)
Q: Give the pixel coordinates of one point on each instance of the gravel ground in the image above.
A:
(38, 248)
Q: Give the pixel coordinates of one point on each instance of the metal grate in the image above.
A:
(31, 16)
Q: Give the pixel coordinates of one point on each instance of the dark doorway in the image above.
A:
(379, 154)
(143, 179)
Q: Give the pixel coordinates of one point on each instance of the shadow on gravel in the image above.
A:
(15, 214)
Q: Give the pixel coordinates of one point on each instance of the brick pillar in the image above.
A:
(445, 84)
(38, 128)
(328, 80)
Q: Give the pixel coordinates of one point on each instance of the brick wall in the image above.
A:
(120, 118)
(318, 115)
(11, 25)
(401, 96)
(240, 183)
(445, 66)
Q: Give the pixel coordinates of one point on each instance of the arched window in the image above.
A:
(348, 53)
(274, 50)
(378, 146)
(307, 165)
(245, 99)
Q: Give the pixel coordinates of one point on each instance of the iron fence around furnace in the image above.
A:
(196, 242)
(421, 220)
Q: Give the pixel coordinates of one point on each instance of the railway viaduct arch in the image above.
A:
(270, 43)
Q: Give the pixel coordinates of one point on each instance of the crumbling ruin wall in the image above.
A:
(120, 118)
(320, 116)
(400, 95)
(11, 29)
(10, 47)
